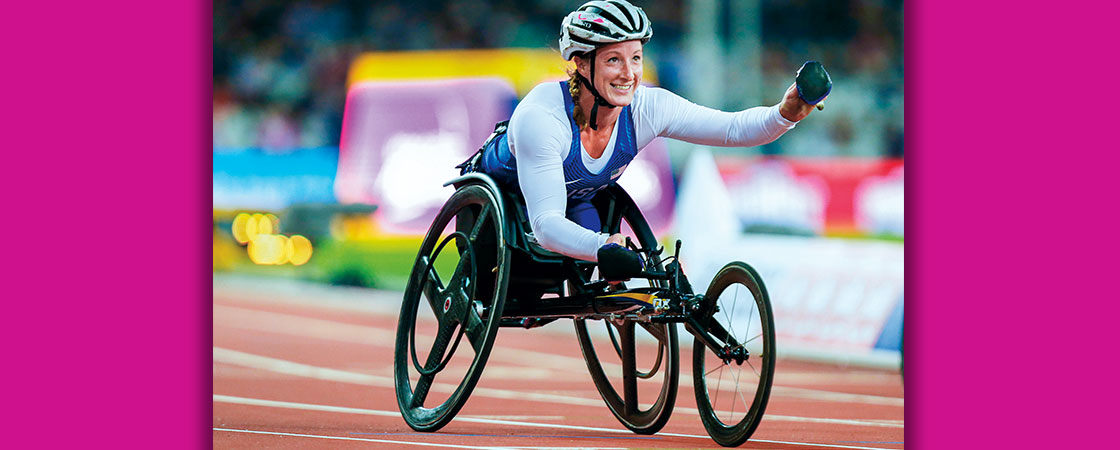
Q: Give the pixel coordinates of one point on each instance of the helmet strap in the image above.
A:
(599, 100)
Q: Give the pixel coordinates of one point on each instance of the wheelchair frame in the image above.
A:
(517, 300)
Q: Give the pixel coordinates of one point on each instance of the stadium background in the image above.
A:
(829, 193)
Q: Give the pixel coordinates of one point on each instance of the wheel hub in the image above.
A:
(737, 354)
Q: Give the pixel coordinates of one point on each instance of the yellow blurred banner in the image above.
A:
(523, 67)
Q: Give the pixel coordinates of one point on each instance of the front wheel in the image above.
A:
(454, 296)
(733, 384)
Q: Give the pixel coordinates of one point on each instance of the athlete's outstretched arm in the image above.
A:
(540, 146)
(670, 115)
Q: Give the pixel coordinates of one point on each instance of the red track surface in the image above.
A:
(302, 366)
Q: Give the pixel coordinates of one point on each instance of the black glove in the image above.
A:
(813, 82)
(617, 263)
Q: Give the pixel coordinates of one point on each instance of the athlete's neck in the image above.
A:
(606, 116)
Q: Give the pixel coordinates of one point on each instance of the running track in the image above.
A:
(303, 365)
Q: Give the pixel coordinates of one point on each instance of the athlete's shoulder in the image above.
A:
(649, 94)
(549, 93)
(648, 98)
(645, 96)
(545, 100)
(540, 122)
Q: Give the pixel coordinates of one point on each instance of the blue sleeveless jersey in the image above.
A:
(581, 184)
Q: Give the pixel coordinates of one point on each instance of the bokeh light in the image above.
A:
(284, 252)
(265, 245)
(266, 248)
(263, 225)
(251, 226)
(301, 250)
(239, 224)
(273, 222)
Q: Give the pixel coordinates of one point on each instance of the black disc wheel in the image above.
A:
(733, 384)
(635, 365)
(451, 309)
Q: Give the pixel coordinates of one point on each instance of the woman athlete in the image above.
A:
(567, 140)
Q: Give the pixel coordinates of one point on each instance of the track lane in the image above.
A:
(813, 403)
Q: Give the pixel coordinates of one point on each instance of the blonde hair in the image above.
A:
(574, 88)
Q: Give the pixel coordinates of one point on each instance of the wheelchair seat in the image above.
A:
(519, 231)
(534, 270)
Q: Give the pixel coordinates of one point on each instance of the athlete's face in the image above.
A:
(618, 71)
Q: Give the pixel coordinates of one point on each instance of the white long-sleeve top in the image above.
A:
(540, 137)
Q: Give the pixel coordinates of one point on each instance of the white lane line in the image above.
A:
(374, 412)
(323, 373)
(841, 397)
(303, 406)
(234, 357)
(286, 324)
(779, 417)
(507, 417)
(272, 290)
(292, 325)
(255, 320)
(386, 441)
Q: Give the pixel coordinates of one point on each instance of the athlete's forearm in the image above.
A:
(675, 117)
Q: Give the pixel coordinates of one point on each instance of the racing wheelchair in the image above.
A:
(479, 269)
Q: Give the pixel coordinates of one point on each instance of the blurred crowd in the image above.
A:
(280, 66)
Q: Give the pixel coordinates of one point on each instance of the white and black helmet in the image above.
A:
(602, 22)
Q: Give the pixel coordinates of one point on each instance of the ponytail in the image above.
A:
(574, 88)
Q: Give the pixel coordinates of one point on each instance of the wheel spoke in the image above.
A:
(479, 221)
(739, 392)
(754, 369)
(750, 320)
(439, 347)
(719, 383)
(629, 369)
(459, 274)
(731, 415)
(421, 391)
(475, 328)
(608, 227)
(433, 288)
(730, 325)
(751, 339)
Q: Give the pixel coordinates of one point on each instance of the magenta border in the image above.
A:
(108, 149)
(1011, 165)
(107, 222)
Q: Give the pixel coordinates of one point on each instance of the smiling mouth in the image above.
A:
(623, 87)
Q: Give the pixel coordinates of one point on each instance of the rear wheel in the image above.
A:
(632, 363)
(454, 296)
(733, 385)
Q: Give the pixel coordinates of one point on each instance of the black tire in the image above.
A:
(735, 287)
(466, 300)
(632, 375)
